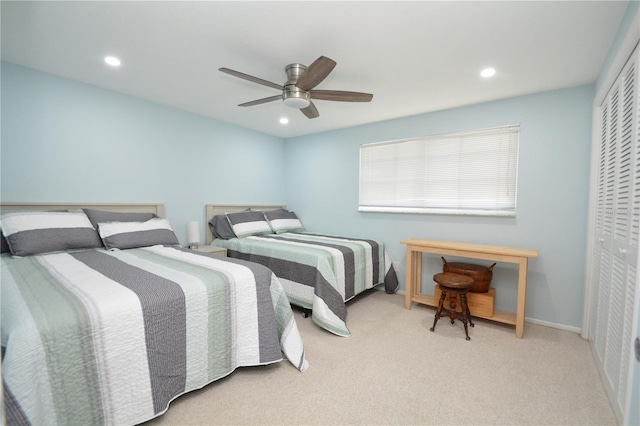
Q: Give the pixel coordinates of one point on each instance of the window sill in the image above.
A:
(451, 212)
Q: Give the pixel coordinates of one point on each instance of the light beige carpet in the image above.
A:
(393, 370)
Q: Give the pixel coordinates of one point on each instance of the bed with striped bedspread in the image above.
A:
(112, 337)
(319, 272)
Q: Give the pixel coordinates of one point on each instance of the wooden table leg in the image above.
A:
(409, 280)
(522, 296)
(417, 277)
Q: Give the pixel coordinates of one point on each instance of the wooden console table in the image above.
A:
(415, 248)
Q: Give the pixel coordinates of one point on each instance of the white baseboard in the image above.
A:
(554, 325)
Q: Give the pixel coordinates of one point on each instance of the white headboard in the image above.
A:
(216, 209)
(155, 208)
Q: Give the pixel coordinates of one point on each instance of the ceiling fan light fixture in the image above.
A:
(295, 98)
(297, 102)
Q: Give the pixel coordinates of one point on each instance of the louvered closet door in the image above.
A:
(615, 253)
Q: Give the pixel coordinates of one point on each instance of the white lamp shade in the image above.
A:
(193, 232)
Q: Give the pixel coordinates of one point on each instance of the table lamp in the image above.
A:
(193, 234)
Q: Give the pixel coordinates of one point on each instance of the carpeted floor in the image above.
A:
(393, 370)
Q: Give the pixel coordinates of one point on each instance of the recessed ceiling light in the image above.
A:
(112, 60)
(488, 72)
(284, 120)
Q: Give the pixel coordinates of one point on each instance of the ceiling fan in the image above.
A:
(298, 91)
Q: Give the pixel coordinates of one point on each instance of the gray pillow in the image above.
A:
(99, 216)
(4, 245)
(126, 235)
(30, 233)
(221, 228)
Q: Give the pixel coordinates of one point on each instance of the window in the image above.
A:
(471, 173)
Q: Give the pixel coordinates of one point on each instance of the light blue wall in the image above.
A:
(64, 141)
(553, 179)
(67, 141)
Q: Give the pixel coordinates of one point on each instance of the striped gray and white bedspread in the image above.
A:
(319, 272)
(111, 337)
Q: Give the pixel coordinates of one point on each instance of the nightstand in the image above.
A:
(218, 251)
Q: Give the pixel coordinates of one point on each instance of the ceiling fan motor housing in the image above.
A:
(293, 96)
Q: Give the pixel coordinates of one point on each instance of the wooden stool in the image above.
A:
(455, 285)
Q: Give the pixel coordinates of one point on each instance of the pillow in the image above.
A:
(125, 235)
(42, 232)
(282, 221)
(100, 216)
(221, 228)
(245, 224)
(4, 245)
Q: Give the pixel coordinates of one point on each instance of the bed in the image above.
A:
(320, 273)
(109, 329)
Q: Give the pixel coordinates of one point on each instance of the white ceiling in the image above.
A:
(415, 57)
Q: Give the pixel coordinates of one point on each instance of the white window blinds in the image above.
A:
(457, 173)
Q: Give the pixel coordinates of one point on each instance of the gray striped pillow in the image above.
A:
(282, 221)
(30, 233)
(126, 235)
(245, 224)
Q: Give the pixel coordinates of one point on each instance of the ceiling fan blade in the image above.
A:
(311, 111)
(341, 96)
(251, 78)
(262, 101)
(315, 73)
